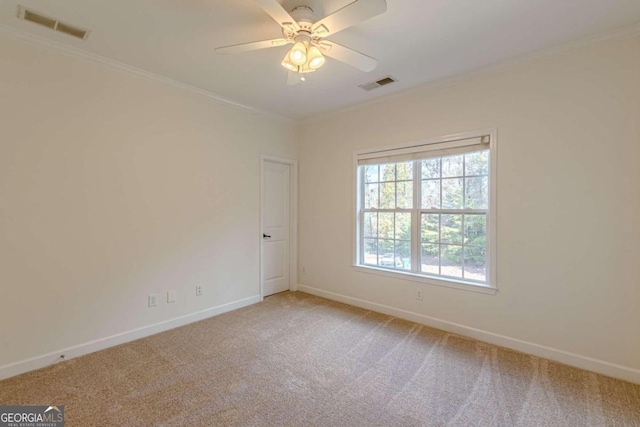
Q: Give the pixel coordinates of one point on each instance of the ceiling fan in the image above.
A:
(307, 33)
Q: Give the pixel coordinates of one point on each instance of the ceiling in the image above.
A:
(415, 41)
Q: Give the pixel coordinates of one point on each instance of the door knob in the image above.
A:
(265, 236)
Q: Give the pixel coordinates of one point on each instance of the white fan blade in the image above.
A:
(348, 56)
(293, 78)
(351, 14)
(277, 12)
(246, 47)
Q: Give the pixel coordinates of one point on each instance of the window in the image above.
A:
(425, 211)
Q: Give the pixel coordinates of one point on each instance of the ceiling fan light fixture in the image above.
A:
(315, 58)
(305, 69)
(306, 32)
(298, 54)
(286, 63)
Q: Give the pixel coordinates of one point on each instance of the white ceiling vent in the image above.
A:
(54, 24)
(378, 83)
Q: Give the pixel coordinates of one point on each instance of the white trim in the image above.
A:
(572, 359)
(293, 219)
(615, 35)
(356, 220)
(44, 360)
(42, 42)
(491, 287)
(492, 132)
(480, 288)
(436, 149)
(492, 237)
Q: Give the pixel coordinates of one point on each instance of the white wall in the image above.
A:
(568, 200)
(113, 187)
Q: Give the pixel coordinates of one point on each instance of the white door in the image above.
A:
(275, 227)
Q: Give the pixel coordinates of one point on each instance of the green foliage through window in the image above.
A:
(450, 213)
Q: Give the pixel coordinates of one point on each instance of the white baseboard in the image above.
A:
(38, 362)
(571, 359)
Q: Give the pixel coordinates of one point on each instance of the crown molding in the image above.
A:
(619, 34)
(72, 51)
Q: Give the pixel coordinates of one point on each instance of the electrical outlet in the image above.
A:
(304, 270)
(419, 294)
(198, 290)
(153, 300)
(171, 296)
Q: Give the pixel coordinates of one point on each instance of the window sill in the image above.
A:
(404, 275)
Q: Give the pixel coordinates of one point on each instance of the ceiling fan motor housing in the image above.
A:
(304, 14)
(305, 17)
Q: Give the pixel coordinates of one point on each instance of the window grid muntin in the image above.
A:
(417, 211)
(462, 245)
(379, 182)
(377, 237)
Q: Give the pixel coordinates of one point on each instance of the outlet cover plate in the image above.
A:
(153, 300)
(171, 296)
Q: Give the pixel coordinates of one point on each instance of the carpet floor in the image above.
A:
(300, 360)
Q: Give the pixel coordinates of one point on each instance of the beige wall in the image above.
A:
(113, 187)
(568, 199)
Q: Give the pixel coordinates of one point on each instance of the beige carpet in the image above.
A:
(299, 360)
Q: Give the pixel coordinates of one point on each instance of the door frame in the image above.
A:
(293, 219)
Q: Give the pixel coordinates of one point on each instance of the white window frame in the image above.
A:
(490, 287)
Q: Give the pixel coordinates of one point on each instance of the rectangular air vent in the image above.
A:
(378, 83)
(54, 24)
